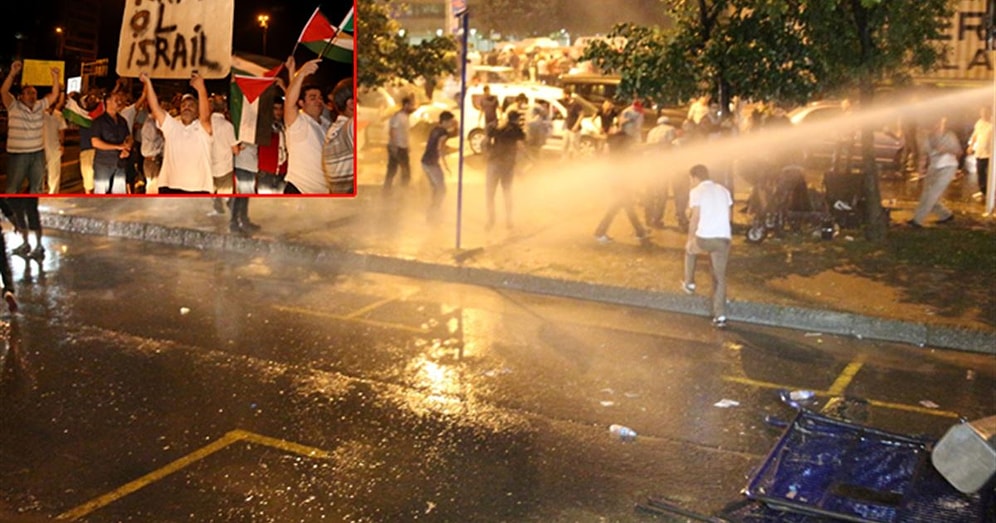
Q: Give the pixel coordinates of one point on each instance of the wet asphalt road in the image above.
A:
(146, 383)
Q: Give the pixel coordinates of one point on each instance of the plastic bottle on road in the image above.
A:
(622, 433)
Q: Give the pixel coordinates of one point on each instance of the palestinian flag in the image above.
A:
(251, 100)
(328, 41)
(77, 115)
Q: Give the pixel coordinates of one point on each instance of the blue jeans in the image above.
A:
(25, 165)
(438, 182)
(109, 179)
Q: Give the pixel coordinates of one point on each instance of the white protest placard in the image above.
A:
(174, 38)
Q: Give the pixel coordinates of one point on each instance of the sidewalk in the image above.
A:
(794, 283)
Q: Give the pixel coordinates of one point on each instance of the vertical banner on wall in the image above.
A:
(174, 39)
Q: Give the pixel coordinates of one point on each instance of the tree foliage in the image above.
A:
(780, 50)
(521, 18)
(385, 55)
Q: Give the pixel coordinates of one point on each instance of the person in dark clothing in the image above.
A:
(433, 160)
(111, 137)
(5, 274)
(505, 143)
(623, 197)
(24, 216)
(489, 108)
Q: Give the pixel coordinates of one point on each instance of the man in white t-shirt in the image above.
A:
(222, 151)
(709, 233)
(398, 146)
(305, 132)
(54, 126)
(981, 145)
(187, 140)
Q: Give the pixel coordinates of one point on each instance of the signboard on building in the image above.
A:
(173, 39)
(966, 37)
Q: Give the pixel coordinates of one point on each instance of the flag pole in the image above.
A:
(335, 36)
(463, 96)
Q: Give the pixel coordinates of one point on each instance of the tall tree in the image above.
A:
(384, 54)
(520, 18)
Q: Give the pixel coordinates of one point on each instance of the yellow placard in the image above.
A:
(39, 72)
(173, 39)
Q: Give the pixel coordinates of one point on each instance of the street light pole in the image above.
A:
(264, 22)
(61, 35)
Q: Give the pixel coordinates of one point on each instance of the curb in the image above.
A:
(797, 318)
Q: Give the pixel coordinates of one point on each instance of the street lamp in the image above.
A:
(61, 35)
(264, 22)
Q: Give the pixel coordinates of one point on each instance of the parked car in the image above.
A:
(889, 146)
(475, 133)
(376, 106)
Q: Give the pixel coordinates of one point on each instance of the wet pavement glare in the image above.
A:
(433, 401)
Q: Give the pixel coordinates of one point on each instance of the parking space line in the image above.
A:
(363, 310)
(284, 445)
(875, 403)
(229, 438)
(913, 408)
(846, 376)
(151, 477)
(375, 323)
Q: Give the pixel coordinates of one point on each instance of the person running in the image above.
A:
(5, 275)
(24, 216)
(709, 233)
(943, 149)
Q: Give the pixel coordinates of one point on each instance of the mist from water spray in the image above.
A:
(580, 190)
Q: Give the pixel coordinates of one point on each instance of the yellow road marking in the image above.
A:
(755, 383)
(309, 312)
(185, 461)
(363, 310)
(913, 408)
(288, 446)
(874, 403)
(846, 376)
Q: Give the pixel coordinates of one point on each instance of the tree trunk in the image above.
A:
(876, 226)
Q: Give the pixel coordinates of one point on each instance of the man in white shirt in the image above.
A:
(54, 126)
(305, 132)
(398, 145)
(709, 233)
(187, 141)
(222, 151)
(152, 154)
(981, 145)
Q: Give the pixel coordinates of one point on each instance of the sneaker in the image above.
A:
(23, 250)
(689, 288)
(949, 219)
(37, 254)
(8, 297)
(915, 224)
(603, 239)
(719, 322)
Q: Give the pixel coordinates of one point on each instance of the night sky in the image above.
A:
(37, 19)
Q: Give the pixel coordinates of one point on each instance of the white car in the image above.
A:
(475, 133)
(376, 106)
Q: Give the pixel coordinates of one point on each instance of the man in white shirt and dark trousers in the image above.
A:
(398, 144)
(709, 233)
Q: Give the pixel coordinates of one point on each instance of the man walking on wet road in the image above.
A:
(709, 232)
